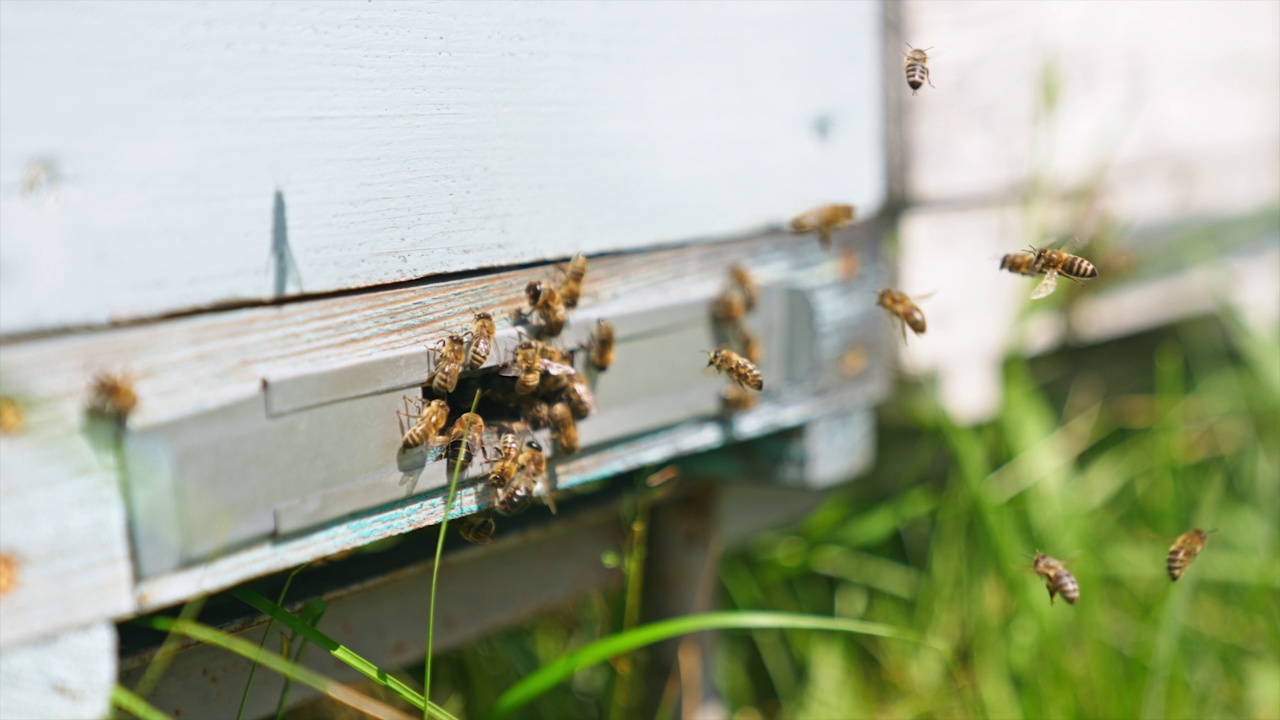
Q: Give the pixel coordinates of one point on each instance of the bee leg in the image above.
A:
(1074, 280)
(902, 325)
(926, 78)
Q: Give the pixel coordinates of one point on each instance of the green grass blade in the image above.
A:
(339, 651)
(435, 566)
(122, 698)
(274, 661)
(557, 672)
(244, 696)
(160, 661)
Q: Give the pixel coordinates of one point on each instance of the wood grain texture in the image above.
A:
(208, 481)
(70, 675)
(158, 157)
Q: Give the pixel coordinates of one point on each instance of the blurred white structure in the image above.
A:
(1172, 109)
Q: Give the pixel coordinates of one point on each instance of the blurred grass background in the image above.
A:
(1101, 456)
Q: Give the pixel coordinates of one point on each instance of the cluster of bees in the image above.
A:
(1051, 263)
(538, 387)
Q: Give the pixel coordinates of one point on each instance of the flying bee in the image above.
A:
(740, 369)
(113, 396)
(451, 354)
(430, 421)
(546, 302)
(747, 284)
(566, 430)
(736, 399)
(505, 467)
(1020, 263)
(1054, 262)
(466, 435)
(580, 398)
(1184, 550)
(482, 334)
(917, 69)
(602, 346)
(518, 494)
(529, 366)
(571, 290)
(823, 219)
(478, 528)
(1057, 578)
(904, 310)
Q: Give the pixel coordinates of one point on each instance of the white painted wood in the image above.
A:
(62, 523)
(142, 144)
(64, 677)
(1178, 106)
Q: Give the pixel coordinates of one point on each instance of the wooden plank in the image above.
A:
(159, 157)
(70, 675)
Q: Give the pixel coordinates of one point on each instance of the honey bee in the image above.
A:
(11, 417)
(529, 366)
(1057, 578)
(482, 334)
(571, 291)
(747, 284)
(917, 69)
(580, 398)
(478, 528)
(1055, 262)
(536, 414)
(517, 495)
(466, 435)
(602, 346)
(823, 219)
(451, 354)
(904, 310)
(113, 396)
(546, 302)
(729, 306)
(740, 369)
(430, 421)
(1020, 263)
(735, 399)
(505, 467)
(566, 430)
(1184, 550)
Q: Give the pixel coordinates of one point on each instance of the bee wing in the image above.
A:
(552, 367)
(1046, 286)
(547, 497)
(510, 370)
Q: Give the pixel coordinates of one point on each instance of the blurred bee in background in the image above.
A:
(451, 354)
(463, 439)
(112, 396)
(430, 421)
(729, 307)
(752, 348)
(1021, 263)
(1057, 578)
(823, 219)
(1054, 262)
(566, 430)
(11, 416)
(917, 68)
(746, 285)
(478, 528)
(904, 310)
(580, 398)
(536, 414)
(741, 370)
(517, 495)
(546, 302)
(571, 291)
(736, 399)
(602, 346)
(482, 333)
(1184, 550)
